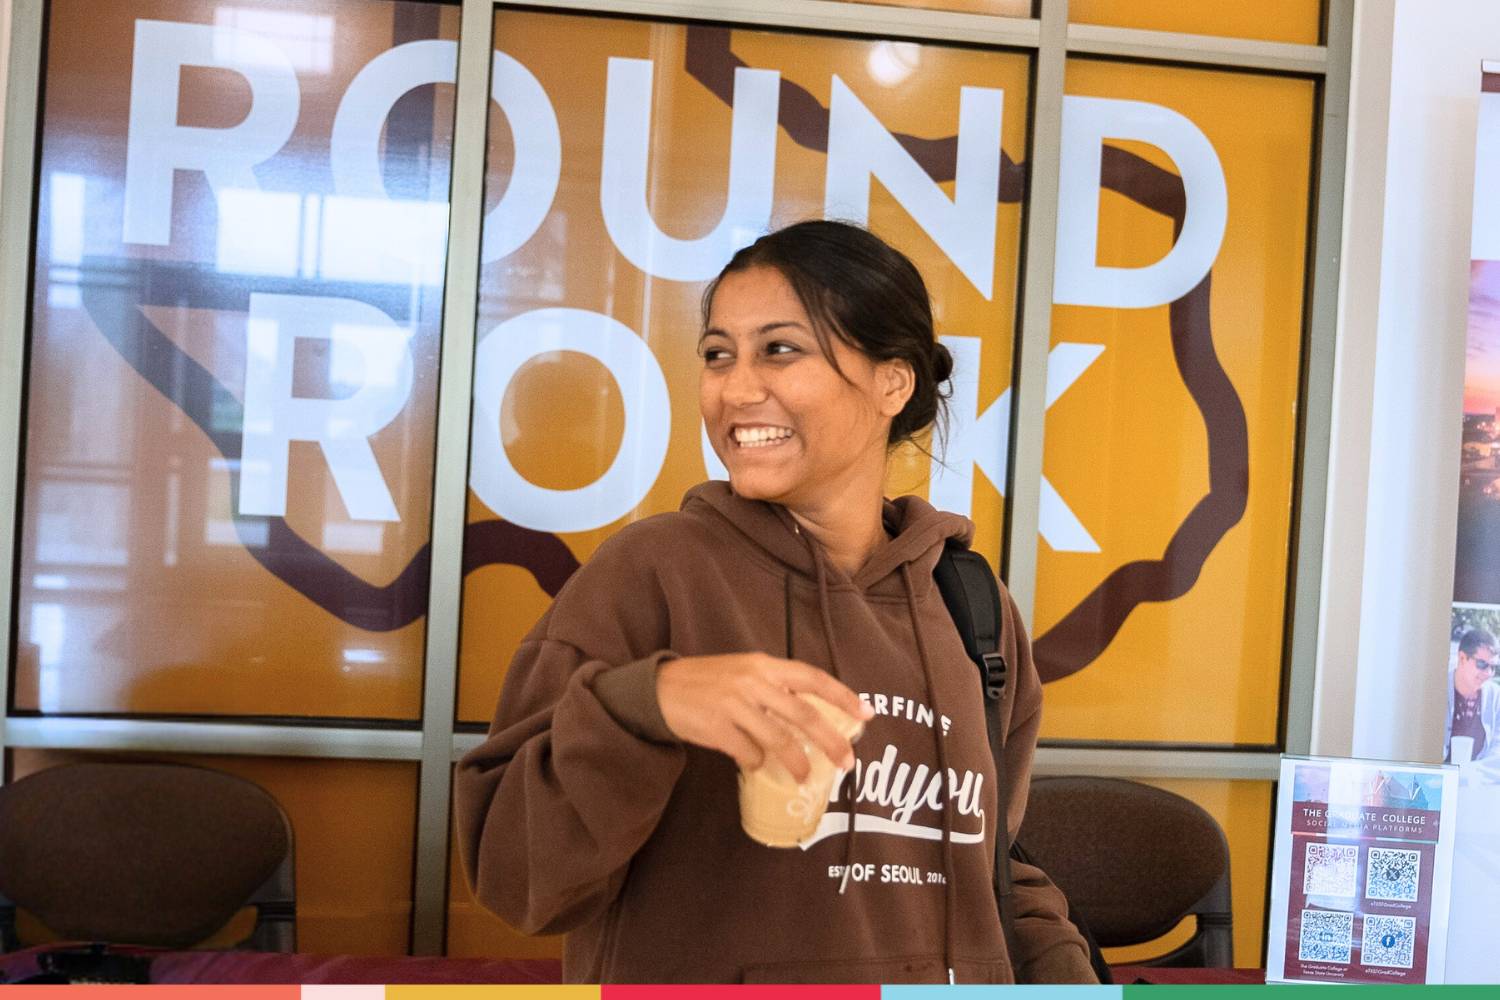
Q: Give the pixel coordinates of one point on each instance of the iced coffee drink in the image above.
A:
(777, 810)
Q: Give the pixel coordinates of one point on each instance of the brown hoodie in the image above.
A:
(582, 813)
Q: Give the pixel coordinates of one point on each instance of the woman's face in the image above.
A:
(785, 423)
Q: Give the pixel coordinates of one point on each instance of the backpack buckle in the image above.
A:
(996, 672)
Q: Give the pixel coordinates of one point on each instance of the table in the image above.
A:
(1127, 975)
(271, 967)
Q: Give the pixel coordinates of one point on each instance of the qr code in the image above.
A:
(1326, 936)
(1392, 874)
(1388, 941)
(1330, 870)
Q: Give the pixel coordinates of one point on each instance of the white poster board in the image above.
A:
(1471, 728)
(1362, 872)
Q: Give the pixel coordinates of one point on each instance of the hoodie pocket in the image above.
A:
(911, 969)
(883, 971)
(979, 971)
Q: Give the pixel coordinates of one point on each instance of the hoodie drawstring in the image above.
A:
(847, 795)
(949, 900)
(786, 600)
(846, 790)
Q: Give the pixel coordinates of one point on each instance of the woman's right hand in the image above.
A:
(746, 705)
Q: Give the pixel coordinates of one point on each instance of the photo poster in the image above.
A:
(1471, 724)
(1473, 692)
(1361, 872)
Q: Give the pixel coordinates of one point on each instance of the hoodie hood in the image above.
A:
(920, 532)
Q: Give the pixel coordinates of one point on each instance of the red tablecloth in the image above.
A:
(270, 967)
(1125, 975)
(267, 967)
(259, 967)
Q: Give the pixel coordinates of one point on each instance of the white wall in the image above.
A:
(1354, 377)
(4, 75)
(1388, 571)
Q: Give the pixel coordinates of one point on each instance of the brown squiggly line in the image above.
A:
(1084, 633)
(710, 60)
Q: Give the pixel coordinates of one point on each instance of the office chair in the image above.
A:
(1134, 861)
(145, 854)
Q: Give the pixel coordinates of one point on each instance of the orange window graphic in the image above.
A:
(1170, 459)
(1270, 20)
(627, 159)
(1001, 8)
(241, 231)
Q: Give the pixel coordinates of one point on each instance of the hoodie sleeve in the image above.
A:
(578, 766)
(1050, 947)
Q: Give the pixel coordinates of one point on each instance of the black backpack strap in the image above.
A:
(972, 595)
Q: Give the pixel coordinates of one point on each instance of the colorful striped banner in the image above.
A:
(533, 992)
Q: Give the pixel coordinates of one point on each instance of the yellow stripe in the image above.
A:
(492, 993)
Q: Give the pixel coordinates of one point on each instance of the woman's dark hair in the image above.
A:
(860, 289)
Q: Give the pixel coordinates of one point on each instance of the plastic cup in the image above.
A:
(776, 809)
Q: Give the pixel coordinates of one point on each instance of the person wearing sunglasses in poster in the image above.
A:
(603, 803)
(1473, 700)
(1474, 714)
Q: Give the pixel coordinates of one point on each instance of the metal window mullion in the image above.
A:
(1155, 763)
(18, 172)
(128, 735)
(1023, 516)
(1208, 50)
(1317, 431)
(1109, 762)
(881, 21)
(451, 477)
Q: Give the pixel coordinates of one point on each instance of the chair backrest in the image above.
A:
(1134, 861)
(151, 854)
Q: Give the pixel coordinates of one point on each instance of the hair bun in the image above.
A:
(942, 361)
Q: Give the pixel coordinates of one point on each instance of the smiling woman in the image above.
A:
(818, 358)
(700, 643)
